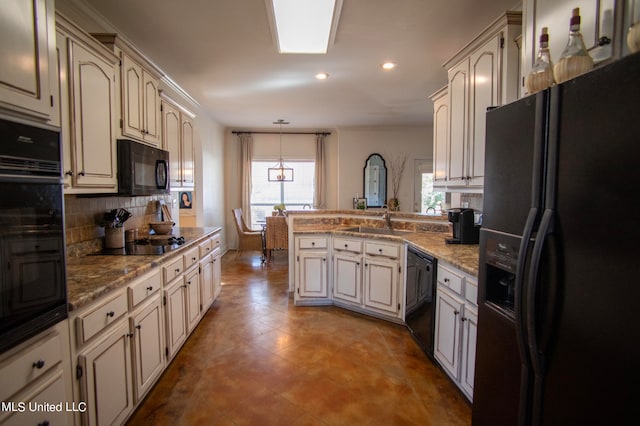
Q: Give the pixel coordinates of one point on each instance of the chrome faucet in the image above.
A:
(387, 217)
(431, 208)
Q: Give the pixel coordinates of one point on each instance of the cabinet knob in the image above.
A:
(110, 314)
(456, 313)
(44, 423)
(446, 280)
(346, 245)
(149, 288)
(69, 173)
(38, 364)
(380, 250)
(193, 259)
(129, 335)
(138, 327)
(81, 173)
(463, 319)
(313, 243)
(177, 270)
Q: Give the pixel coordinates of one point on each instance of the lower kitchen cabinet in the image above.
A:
(148, 346)
(347, 278)
(105, 382)
(381, 279)
(176, 316)
(456, 326)
(192, 288)
(312, 270)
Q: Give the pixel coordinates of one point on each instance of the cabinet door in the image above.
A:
(132, 98)
(151, 110)
(485, 79)
(148, 347)
(217, 273)
(51, 392)
(447, 332)
(176, 316)
(458, 123)
(440, 137)
(106, 380)
(347, 281)
(193, 299)
(25, 52)
(469, 333)
(207, 289)
(381, 285)
(171, 131)
(312, 275)
(93, 131)
(188, 154)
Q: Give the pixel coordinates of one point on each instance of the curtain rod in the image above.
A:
(238, 132)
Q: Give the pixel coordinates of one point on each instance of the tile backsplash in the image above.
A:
(82, 217)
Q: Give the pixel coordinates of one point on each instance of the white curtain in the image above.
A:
(320, 190)
(246, 156)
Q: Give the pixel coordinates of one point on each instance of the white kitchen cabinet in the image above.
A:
(207, 286)
(456, 325)
(28, 80)
(604, 40)
(347, 278)
(485, 73)
(87, 111)
(217, 269)
(192, 282)
(38, 370)
(312, 270)
(139, 92)
(381, 285)
(106, 377)
(440, 134)
(178, 139)
(147, 327)
(175, 316)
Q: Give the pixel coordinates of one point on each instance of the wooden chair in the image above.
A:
(277, 234)
(248, 239)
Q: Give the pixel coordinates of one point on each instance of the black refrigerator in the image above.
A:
(559, 277)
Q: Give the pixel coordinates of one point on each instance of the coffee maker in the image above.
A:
(465, 231)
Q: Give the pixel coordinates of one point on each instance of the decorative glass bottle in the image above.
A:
(575, 59)
(541, 75)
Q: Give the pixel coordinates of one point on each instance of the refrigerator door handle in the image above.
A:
(535, 351)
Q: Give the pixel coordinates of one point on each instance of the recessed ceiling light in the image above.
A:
(388, 65)
(303, 26)
(322, 76)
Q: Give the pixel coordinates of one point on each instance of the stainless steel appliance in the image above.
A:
(142, 169)
(33, 292)
(420, 298)
(465, 231)
(558, 340)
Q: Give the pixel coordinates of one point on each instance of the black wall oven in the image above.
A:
(33, 294)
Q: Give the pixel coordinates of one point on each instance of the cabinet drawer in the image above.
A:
(346, 244)
(173, 269)
(143, 288)
(51, 391)
(312, 242)
(205, 248)
(215, 242)
(449, 279)
(91, 323)
(29, 364)
(471, 291)
(191, 257)
(381, 249)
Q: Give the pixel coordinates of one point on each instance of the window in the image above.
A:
(294, 195)
(430, 199)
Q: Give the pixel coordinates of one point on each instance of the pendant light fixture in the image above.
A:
(279, 172)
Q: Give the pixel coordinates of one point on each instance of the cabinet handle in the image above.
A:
(183, 286)
(149, 288)
(129, 335)
(110, 314)
(177, 270)
(313, 243)
(446, 280)
(44, 423)
(380, 250)
(69, 173)
(463, 319)
(189, 282)
(346, 246)
(456, 313)
(38, 364)
(193, 259)
(81, 173)
(138, 327)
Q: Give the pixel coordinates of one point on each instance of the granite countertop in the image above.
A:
(90, 277)
(462, 256)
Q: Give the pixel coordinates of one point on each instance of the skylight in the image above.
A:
(304, 26)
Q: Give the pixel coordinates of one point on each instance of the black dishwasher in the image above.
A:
(420, 299)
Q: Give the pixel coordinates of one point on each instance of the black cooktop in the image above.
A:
(153, 245)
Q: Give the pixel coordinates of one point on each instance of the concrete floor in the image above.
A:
(256, 359)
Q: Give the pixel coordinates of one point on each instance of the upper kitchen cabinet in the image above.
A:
(483, 74)
(28, 48)
(87, 72)
(178, 138)
(598, 27)
(140, 103)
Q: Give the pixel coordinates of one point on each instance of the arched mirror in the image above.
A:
(375, 181)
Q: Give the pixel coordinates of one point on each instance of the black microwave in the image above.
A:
(142, 169)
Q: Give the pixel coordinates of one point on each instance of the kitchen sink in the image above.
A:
(378, 231)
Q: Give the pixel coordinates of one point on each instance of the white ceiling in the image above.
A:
(221, 52)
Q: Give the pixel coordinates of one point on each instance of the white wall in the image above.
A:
(355, 144)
